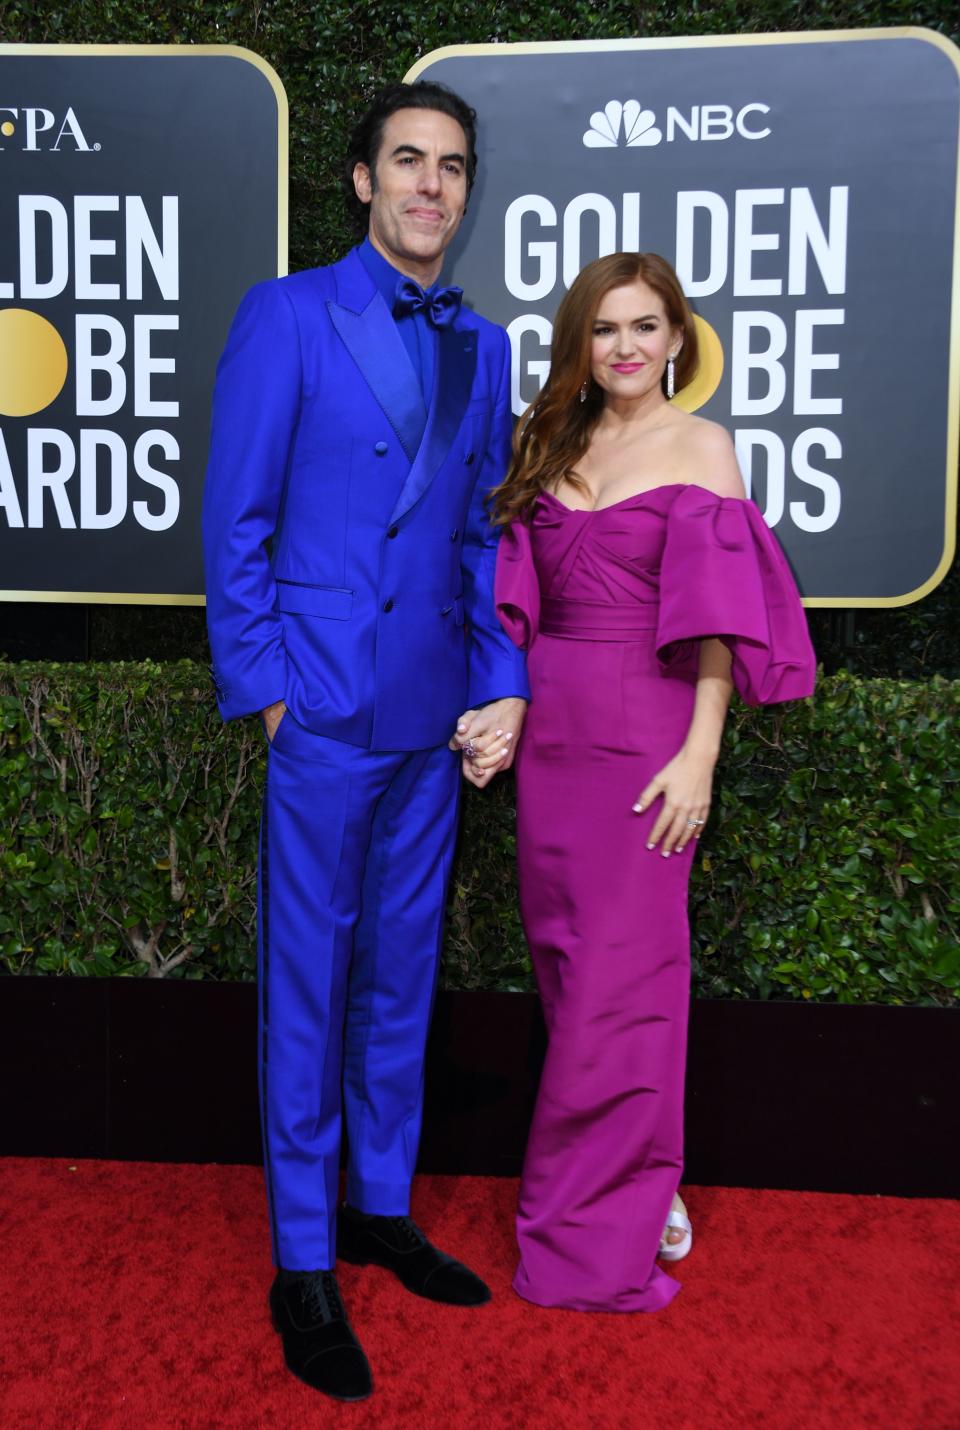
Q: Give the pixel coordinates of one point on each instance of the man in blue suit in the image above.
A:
(361, 415)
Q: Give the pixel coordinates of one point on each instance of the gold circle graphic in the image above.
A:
(33, 362)
(6, 128)
(709, 373)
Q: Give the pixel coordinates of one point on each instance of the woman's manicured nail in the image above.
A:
(638, 808)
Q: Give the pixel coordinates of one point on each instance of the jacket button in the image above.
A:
(469, 459)
(381, 449)
(388, 606)
(455, 533)
(393, 531)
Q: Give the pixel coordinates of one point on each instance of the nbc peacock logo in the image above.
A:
(630, 126)
(636, 125)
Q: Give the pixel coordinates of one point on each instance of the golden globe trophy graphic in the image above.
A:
(699, 392)
(134, 223)
(33, 363)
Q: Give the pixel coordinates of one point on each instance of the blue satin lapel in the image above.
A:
(456, 365)
(376, 347)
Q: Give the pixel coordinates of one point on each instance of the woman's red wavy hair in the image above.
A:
(554, 432)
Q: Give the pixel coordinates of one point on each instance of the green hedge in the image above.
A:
(831, 870)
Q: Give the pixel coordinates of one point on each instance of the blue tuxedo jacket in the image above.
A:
(350, 562)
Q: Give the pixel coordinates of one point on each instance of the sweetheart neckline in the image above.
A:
(647, 491)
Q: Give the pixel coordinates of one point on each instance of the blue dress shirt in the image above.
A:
(419, 338)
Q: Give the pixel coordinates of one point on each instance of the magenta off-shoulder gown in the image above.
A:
(611, 605)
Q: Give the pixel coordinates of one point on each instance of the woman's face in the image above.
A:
(632, 339)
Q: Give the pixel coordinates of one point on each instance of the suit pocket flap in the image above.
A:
(329, 601)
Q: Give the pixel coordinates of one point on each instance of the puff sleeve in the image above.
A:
(516, 588)
(723, 574)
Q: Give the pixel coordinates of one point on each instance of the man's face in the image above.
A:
(420, 192)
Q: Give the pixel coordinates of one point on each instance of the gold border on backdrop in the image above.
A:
(236, 52)
(809, 37)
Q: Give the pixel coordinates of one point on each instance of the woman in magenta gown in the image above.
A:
(644, 587)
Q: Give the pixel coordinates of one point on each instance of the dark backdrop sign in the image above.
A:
(805, 186)
(142, 190)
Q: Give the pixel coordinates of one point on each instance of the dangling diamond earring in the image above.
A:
(669, 377)
(583, 392)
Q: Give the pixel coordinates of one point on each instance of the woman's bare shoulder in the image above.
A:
(707, 456)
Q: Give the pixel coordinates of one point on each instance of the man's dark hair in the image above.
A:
(367, 136)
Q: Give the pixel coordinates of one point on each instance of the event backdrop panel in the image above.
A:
(805, 186)
(143, 191)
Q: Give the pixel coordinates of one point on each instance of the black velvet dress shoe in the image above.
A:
(398, 1244)
(318, 1344)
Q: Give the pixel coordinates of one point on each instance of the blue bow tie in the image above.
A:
(441, 305)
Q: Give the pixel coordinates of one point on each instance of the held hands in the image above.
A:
(685, 784)
(488, 738)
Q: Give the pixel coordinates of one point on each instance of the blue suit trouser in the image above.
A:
(355, 852)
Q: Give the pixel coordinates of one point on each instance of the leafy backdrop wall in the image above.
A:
(128, 814)
(330, 56)
(830, 870)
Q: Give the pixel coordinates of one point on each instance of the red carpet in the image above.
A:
(135, 1295)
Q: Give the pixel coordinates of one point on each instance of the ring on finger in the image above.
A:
(469, 749)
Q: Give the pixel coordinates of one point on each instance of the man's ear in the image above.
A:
(362, 183)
